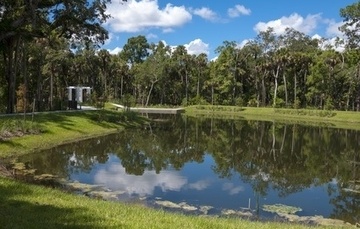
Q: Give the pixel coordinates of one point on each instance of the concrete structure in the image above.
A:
(151, 110)
(76, 96)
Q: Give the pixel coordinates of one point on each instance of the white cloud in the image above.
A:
(168, 30)
(110, 39)
(330, 42)
(135, 16)
(194, 47)
(243, 43)
(306, 25)
(316, 36)
(214, 59)
(232, 189)
(115, 50)
(197, 47)
(333, 29)
(206, 13)
(117, 179)
(238, 10)
(200, 185)
(151, 36)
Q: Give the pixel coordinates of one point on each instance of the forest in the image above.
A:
(49, 45)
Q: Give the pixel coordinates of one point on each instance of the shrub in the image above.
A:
(253, 103)
(17, 127)
(239, 102)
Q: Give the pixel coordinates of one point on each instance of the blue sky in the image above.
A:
(202, 25)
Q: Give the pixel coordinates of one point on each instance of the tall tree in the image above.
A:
(22, 20)
(182, 63)
(351, 28)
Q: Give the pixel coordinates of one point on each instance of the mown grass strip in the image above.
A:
(64, 127)
(336, 119)
(30, 206)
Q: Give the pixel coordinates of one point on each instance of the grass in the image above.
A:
(337, 119)
(30, 206)
(64, 127)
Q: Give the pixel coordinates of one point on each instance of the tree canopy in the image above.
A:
(49, 45)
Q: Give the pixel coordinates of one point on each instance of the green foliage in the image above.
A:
(218, 108)
(253, 102)
(128, 100)
(197, 100)
(296, 104)
(279, 103)
(306, 75)
(329, 105)
(19, 127)
(96, 101)
(281, 208)
(305, 112)
(239, 102)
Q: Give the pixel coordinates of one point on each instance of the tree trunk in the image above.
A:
(295, 92)
(186, 87)
(198, 87)
(150, 90)
(212, 94)
(286, 92)
(273, 150)
(276, 75)
(263, 90)
(52, 87)
(9, 55)
(38, 88)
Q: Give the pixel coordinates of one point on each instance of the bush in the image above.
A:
(128, 100)
(197, 100)
(296, 104)
(17, 127)
(279, 102)
(329, 105)
(239, 102)
(253, 102)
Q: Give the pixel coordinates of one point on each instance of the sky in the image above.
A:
(202, 26)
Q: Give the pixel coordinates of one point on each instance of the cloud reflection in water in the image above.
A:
(115, 178)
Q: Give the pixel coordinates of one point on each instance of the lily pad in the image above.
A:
(19, 166)
(167, 204)
(281, 208)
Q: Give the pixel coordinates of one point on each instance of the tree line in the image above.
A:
(54, 44)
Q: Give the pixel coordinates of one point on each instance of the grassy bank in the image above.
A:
(338, 119)
(30, 206)
(59, 128)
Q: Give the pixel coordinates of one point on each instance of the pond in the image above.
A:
(253, 169)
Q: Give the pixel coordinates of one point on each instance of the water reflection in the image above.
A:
(116, 178)
(221, 163)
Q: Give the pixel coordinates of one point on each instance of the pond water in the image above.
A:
(216, 166)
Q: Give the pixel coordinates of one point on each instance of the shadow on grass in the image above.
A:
(104, 118)
(62, 119)
(16, 211)
(108, 119)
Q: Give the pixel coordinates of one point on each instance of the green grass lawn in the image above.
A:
(63, 127)
(337, 119)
